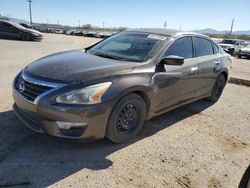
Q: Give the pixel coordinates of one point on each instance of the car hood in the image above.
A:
(32, 31)
(77, 65)
(226, 45)
(245, 49)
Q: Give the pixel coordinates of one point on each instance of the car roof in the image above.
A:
(167, 32)
(13, 23)
(6, 21)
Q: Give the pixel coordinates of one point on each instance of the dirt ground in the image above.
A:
(241, 68)
(199, 145)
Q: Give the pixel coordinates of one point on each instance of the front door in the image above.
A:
(177, 84)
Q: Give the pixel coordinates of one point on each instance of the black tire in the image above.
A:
(126, 119)
(245, 180)
(218, 87)
(25, 37)
(231, 51)
(239, 56)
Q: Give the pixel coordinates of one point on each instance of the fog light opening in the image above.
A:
(69, 125)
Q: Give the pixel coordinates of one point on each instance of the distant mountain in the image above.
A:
(213, 31)
(242, 32)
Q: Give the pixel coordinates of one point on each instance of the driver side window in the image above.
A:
(182, 47)
(8, 27)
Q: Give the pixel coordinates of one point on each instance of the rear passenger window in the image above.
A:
(216, 49)
(182, 47)
(203, 47)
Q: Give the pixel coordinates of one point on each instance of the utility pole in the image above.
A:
(232, 25)
(30, 11)
(180, 27)
(79, 23)
(165, 24)
(103, 24)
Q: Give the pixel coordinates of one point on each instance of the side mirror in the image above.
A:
(172, 60)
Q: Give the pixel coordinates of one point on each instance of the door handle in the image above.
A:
(193, 69)
(217, 62)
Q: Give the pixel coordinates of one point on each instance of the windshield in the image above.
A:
(228, 42)
(129, 46)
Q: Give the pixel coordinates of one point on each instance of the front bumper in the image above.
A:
(36, 38)
(244, 53)
(64, 121)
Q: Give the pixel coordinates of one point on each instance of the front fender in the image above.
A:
(123, 85)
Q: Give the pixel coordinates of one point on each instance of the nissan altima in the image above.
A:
(12, 30)
(110, 89)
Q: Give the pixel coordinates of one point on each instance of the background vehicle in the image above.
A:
(245, 52)
(77, 33)
(28, 26)
(232, 46)
(69, 32)
(217, 40)
(50, 30)
(104, 34)
(91, 34)
(58, 31)
(110, 88)
(13, 30)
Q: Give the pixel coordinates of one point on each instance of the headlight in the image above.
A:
(36, 34)
(88, 95)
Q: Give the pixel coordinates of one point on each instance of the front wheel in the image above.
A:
(231, 51)
(25, 37)
(218, 88)
(126, 119)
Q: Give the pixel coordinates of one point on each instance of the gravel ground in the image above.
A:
(241, 68)
(199, 145)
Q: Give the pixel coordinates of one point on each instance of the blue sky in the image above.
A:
(189, 14)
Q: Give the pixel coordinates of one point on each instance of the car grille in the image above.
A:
(29, 90)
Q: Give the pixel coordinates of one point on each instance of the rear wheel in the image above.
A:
(239, 56)
(25, 37)
(218, 88)
(126, 119)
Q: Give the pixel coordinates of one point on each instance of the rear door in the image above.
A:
(209, 64)
(177, 84)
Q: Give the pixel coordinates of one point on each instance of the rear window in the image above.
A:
(203, 47)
